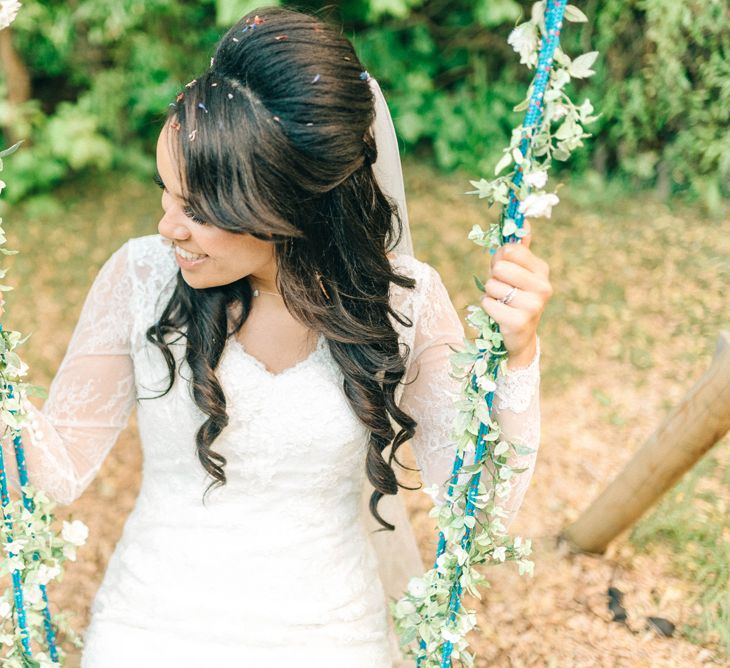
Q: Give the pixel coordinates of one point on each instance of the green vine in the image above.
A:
(34, 548)
(422, 615)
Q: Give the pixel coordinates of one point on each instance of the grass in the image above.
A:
(640, 297)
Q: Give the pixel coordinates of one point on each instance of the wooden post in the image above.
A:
(688, 432)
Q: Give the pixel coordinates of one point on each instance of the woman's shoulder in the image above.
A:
(150, 266)
(409, 265)
(149, 260)
(425, 276)
(422, 272)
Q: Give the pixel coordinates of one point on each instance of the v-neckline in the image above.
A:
(241, 349)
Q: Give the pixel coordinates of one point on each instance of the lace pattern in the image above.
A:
(296, 470)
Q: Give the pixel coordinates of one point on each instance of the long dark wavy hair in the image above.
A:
(275, 141)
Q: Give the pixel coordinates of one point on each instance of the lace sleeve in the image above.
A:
(430, 398)
(92, 395)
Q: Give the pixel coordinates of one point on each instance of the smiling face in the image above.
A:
(208, 255)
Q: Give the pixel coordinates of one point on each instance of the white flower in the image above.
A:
(5, 609)
(46, 573)
(19, 371)
(417, 587)
(14, 564)
(450, 636)
(536, 179)
(558, 112)
(69, 552)
(523, 39)
(16, 547)
(486, 384)
(461, 555)
(8, 11)
(75, 532)
(7, 639)
(500, 553)
(526, 566)
(538, 205)
(32, 595)
(404, 607)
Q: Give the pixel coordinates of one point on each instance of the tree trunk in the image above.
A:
(16, 75)
(692, 428)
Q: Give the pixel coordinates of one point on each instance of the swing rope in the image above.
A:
(553, 23)
(9, 527)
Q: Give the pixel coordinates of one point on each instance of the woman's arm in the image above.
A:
(90, 398)
(429, 399)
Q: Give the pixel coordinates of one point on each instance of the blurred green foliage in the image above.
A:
(104, 71)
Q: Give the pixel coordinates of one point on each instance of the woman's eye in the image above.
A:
(189, 213)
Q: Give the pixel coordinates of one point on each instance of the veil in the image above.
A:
(397, 551)
(387, 167)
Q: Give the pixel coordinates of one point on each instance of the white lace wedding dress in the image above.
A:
(278, 567)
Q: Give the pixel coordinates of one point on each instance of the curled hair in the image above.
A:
(274, 141)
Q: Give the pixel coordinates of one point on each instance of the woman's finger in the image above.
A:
(522, 299)
(527, 278)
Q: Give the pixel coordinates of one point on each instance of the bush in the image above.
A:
(103, 72)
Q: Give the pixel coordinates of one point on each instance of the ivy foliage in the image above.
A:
(103, 72)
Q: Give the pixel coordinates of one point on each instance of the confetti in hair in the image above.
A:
(346, 57)
(202, 106)
(277, 119)
(235, 39)
(364, 75)
(213, 85)
(190, 83)
(308, 124)
(180, 97)
(279, 38)
(230, 96)
(175, 125)
(191, 136)
(316, 78)
(211, 61)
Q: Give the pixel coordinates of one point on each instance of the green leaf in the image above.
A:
(504, 162)
(479, 284)
(575, 15)
(580, 68)
(522, 105)
(9, 151)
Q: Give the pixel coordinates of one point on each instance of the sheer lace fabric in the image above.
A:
(279, 565)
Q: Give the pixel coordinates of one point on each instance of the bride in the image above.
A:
(280, 342)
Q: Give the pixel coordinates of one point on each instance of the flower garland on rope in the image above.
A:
(470, 519)
(33, 551)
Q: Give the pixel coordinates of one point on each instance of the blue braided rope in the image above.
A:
(553, 24)
(29, 506)
(17, 586)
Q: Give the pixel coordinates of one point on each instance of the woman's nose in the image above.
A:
(172, 228)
